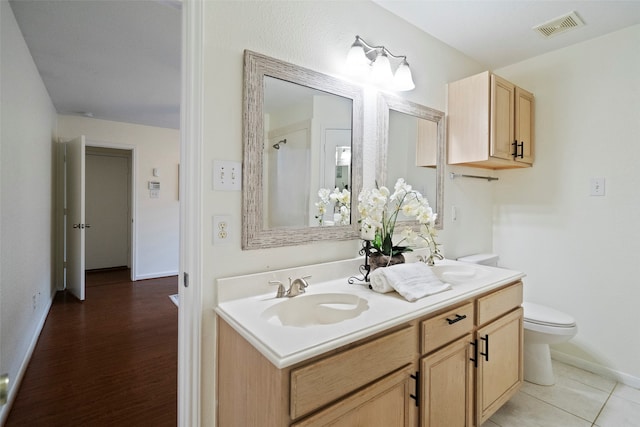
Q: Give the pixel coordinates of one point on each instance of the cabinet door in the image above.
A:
(500, 373)
(447, 386)
(524, 125)
(386, 402)
(502, 113)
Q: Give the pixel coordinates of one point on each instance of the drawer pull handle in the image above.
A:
(474, 359)
(515, 149)
(457, 319)
(416, 396)
(486, 347)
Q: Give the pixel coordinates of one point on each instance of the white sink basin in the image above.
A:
(456, 274)
(315, 309)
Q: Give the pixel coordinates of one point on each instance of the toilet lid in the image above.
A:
(542, 315)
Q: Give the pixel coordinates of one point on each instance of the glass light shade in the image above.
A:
(403, 80)
(357, 61)
(381, 69)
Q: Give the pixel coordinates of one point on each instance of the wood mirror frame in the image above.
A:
(387, 103)
(254, 235)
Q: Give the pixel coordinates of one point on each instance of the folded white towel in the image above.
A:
(413, 280)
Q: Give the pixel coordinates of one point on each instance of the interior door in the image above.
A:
(75, 224)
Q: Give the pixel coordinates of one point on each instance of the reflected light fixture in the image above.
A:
(364, 59)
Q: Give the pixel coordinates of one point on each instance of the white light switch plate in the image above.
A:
(227, 175)
(597, 186)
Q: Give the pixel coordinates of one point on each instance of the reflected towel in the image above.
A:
(411, 280)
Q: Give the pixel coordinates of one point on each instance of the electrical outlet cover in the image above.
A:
(222, 230)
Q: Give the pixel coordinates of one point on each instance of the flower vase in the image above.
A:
(380, 260)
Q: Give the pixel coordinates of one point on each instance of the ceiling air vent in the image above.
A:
(559, 25)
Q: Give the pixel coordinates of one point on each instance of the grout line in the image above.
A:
(605, 404)
(575, 415)
(557, 407)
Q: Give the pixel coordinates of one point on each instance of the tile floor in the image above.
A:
(579, 398)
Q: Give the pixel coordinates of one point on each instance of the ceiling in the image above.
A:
(113, 60)
(120, 59)
(499, 33)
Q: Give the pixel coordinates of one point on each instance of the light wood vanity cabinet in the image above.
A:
(491, 123)
(360, 384)
(500, 336)
(472, 359)
(460, 364)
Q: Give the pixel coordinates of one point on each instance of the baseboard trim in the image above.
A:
(13, 391)
(596, 368)
(156, 275)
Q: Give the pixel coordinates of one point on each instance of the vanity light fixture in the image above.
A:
(364, 59)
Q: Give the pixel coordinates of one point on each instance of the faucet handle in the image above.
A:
(280, 293)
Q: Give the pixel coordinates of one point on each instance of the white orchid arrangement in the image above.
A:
(379, 210)
(341, 202)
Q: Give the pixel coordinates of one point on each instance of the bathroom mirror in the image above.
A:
(412, 146)
(302, 133)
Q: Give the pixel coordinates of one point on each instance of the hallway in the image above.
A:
(111, 360)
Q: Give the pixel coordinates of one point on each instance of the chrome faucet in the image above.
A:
(430, 259)
(296, 287)
(281, 292)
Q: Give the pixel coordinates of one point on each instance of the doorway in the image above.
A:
(100, 204)
(108, 208)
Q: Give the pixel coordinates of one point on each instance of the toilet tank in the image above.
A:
(484, 259)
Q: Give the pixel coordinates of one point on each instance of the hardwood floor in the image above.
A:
(108, 361)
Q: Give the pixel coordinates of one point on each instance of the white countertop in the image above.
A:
(243, 299)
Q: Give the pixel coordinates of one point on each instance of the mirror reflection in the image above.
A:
(412, 147)
(307, 148)
(302, 164)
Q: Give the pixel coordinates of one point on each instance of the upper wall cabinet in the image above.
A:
(490, 123)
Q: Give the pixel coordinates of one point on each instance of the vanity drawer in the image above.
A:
(446, 327)
(326, 380)
(498, 303)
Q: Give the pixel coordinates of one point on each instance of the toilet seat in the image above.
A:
(546, 316)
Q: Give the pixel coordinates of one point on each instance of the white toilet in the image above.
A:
(542, 326)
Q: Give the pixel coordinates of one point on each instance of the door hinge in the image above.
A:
(185, 280)
(4, 388)
(64, 264)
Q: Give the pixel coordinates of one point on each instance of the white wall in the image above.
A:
(316, 35)
(27, 124)
(157, 227)
(581, 253)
